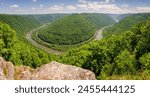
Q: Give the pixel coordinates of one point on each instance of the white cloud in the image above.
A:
(56, 8)
(41, 5)
(107, 1)
(100, 7)
(82, 1)
(71, 7)
(94, 6)
(33, 8)
(20, 10)
(143, 9)
(110, 7)
(34, 0)
(104, 1)
(101, 1)
(124, 5)
(14, 6)
(82, 6)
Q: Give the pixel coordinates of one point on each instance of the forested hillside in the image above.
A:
(69, 30)
(122, 16)
(125, 24)
(22, 25)
(125, 56)
(13, 46)
(73, 29)
(20, 52)
(45, 18)
(99, 20)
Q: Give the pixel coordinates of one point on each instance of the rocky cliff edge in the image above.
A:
(50, 71)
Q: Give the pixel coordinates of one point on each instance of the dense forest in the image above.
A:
(45, 18)
(125, 56)
(68, 30)
(14, 47)
(126, 23)
(99, 20)
(73, 29)
(21, 24)
(20, 52)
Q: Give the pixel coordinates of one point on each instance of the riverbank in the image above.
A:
(48, 49)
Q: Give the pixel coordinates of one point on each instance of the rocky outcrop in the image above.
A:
(23, 72)
(58, 71)
(51, 71)
(6, 70)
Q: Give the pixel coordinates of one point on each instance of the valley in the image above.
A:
(96, 36)
(97, 42)
(62, 35)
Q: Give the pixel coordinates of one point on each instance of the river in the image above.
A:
(49, 50)
(45, 48)
(99, 33)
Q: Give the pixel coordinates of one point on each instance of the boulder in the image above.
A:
(58, 71)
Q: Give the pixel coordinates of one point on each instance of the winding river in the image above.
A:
(49, 50)
(33, 42)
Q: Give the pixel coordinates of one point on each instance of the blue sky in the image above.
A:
(73, 6)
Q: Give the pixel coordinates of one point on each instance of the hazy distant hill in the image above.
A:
(126, 23)
(21, 24)
(46, 18)
(122, 16)
(99, 20)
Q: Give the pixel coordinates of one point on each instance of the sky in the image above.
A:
(73, 6)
